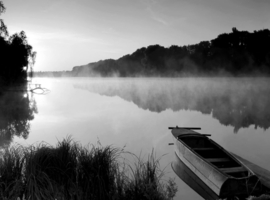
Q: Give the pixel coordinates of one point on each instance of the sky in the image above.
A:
(68, 33)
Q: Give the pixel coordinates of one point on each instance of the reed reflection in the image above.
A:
(17, 109)
(237, 102)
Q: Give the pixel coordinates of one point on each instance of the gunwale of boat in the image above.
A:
(192, 180)
(222, 184)
(226, 171)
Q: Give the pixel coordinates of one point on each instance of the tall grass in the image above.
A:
(145, 181)
(70, 171)
(11, 172)
(37, 182)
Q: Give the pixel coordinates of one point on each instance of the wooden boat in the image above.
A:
(192, 180)
(218, 172)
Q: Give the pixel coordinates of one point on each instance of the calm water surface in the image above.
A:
(137, 112)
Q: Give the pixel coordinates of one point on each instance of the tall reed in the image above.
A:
(145, 180)
(37, 181)
(70, 171)
(11, 172)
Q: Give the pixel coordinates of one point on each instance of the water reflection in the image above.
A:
(238, 102)
(17, 108)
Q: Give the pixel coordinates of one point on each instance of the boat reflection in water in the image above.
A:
(210, 170)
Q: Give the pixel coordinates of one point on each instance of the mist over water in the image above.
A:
(237, 102)
(135, 113)
(234, 110)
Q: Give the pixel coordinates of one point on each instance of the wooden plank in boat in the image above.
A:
(212, 160)
(233, 169)
(189, 128)
(203, 149)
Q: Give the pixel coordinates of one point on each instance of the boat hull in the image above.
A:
(221, 185)
(209, 175)
(192, 180)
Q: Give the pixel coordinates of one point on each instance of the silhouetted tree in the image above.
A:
(16, 55)
(3, 28)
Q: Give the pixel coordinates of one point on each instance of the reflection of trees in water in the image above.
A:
(16, 110)
(237, 102)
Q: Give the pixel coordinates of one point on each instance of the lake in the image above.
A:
(135, 113)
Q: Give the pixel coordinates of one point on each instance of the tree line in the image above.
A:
(236, 53)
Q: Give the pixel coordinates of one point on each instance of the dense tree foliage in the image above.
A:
(236, 53)
(16, 55)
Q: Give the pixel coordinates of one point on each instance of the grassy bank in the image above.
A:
(70, 171)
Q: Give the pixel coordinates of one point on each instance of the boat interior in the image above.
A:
(215, 155)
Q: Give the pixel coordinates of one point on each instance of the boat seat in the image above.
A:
(233, 169)
(213, 160)
(203, 149)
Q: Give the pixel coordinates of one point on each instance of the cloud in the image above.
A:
(154, 16)
(60, 36)
(68, 37)
(152, 7)
(58, 4)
